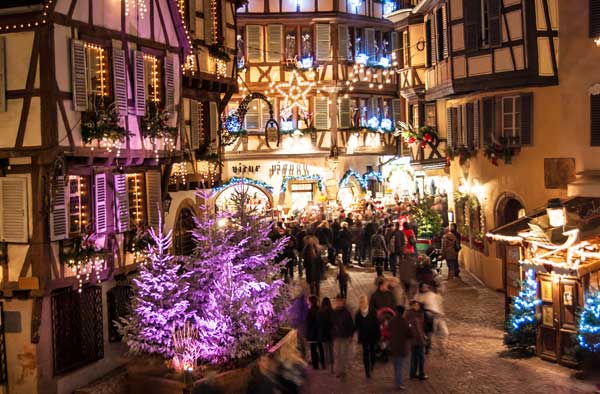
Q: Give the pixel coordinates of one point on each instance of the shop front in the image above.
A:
(405, 181)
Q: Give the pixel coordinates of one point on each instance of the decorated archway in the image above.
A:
(233, 123)
(352, 187)
(258, 195)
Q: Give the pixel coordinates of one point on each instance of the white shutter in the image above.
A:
(323, 41)
(394, 42)
(2, 74)
(153, 198)
(100, 197)
(120, 80)
(370, 43)
(345, 113)
(343, 42)
(254, 43)
(13, 192)
(79, 79)
(274, 42)
(444, 28)
(58, 213)
(169, 83)
(208, 36)
(253, 116)
(321, 113)
(140, 83)
(397, 110)
(121, 202)
(191, 15)
(214, 120)
(195, 116)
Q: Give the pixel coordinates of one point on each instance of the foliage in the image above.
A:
(429, 220)
(155, 122)
(219, 52)
(522, 321)
(505, 150)
(160, 303)
(83, 250)
(421, 136)
(589, 324)
(140, 241)
(462, 152)
(102, 123)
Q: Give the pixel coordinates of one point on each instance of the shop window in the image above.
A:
(153, 78)
(136, 193)
(118, 301)
(77, 199)
(184, 242)
(302, 194)
(77, 334)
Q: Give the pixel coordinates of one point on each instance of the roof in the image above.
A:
(19, 3)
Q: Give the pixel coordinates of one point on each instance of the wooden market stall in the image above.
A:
(565, 255)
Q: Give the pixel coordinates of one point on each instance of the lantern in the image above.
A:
(556, 213)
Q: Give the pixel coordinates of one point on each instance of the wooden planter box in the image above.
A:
(142, 379)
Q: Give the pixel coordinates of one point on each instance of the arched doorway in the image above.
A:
(183, 240)
(508, 209)
(258, 201)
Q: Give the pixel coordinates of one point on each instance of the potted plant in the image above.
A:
(103, 125)
(155, 124)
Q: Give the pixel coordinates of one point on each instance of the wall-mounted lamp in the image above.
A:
(557, 215)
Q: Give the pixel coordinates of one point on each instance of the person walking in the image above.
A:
(317, 354)
(345, 242)
(343, 277)
(450, 248)
(325, 236)
(367, 326)
(356, 231)
(368, 231)
(382, 297)
(396, 248)
(325, 331)
(343, 329)
(416, 318)
(433, 313)
(378, 251)
(408, 265)
(400, 337)
(313, 265)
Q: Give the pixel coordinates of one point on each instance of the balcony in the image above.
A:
(433, 155)
(412, 82)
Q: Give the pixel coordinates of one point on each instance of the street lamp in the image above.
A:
(556, 213)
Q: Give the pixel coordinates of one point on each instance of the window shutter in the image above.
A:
(344, 113)
(191, 15)
(208, 34)
(397, 110)
(460, 126)
(101, 213)
(321, 113)
(2, 74)
(369, 44)
(470, 126)
(195, 124)
(78, 66)
(58, 215)
(169, 83)
(489, 119)
(444, 11)
(451, 127)
(121, 203)
(439, 27)
(527, 119)
(495, 27)
(595, 119)
(14, 210)
(214, 124)
(140, 83)
(154, 198)
(274, 42)
(343, 42)
(120, 80)
(252, 117)
(428, 44)
(594, 18)
(476, 125)
(323, 41)
(394, 40)
(432, 34)
(472, 17)
(254, 43)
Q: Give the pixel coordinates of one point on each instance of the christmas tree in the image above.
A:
(235, 283)
(160, 303)
(429, 220)
(521, 325)
(589, 324)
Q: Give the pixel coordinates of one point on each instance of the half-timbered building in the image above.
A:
(323, 71)
(90, 93)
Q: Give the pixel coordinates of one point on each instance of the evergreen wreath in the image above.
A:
(102, 123)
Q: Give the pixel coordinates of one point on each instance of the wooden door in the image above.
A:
(511, 272)
(558, 320)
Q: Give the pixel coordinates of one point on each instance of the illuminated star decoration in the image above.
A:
(294, 93)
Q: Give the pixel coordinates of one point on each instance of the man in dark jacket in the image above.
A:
(416, 319)
(396, 247)
(400, 336)
(343, 329)
(383, 297)
(367, 326)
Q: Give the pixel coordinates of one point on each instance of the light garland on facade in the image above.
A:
(135, 199)
(101, 58)
(245, 181)
(356, 175)
(206, 171)
(180, 171)
(294, 93)
(214, 22)
(313, 177)
(133, 4)
(155, 83)
(220, 67)
(83, 269)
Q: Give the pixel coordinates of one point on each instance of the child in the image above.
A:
(343, 278)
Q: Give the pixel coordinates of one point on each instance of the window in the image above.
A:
(77, 199)
(96, 70)
(429, 43)
(90, 74)
(307, 43)
(153, 76)
(77, 334)
(118, 301)
(302, 195)
(258, 115)
(184, 241)
(430, 115)
(594, 18)
(511, 117)
(291, 45)
(136, 198)
(595, 119)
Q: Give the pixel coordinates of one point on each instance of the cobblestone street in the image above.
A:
(470, 361)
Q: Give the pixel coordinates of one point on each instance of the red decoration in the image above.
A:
(411, 140)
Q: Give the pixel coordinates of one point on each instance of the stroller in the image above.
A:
(436, 258)
(384, 315)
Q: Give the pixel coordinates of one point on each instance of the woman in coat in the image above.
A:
(325, 328)
(367, 326)
(313, 333)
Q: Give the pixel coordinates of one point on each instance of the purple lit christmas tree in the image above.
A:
(160, 302)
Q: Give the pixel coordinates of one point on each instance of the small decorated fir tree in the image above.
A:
(589, 324)
(522, 321)
(160, 303)
(429, 220)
